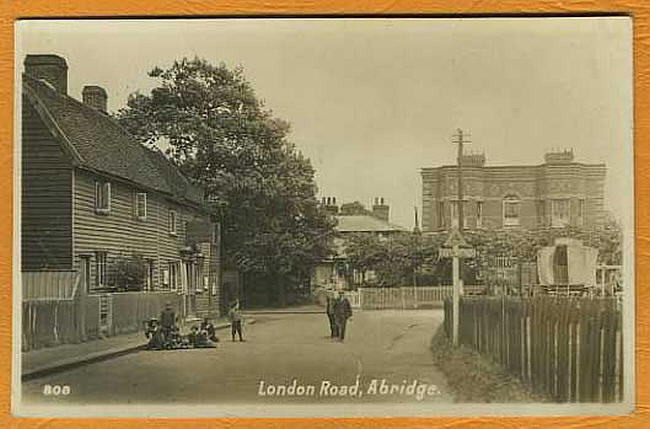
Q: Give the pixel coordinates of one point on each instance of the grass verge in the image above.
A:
(473, 377)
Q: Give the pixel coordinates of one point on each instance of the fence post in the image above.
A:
(360, 298)
(456, 293)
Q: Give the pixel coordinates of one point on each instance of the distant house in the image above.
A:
(360, 221)
(94, 200)
(557, 193)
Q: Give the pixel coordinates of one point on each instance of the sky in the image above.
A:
(372, 101)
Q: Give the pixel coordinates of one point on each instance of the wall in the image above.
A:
(46, 218)
(534, 186)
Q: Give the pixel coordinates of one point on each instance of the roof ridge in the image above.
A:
(105, 145)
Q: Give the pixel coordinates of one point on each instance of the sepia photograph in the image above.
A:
(310, 217)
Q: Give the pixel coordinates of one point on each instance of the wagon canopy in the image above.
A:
(567, 262)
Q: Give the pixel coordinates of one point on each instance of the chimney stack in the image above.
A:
(330, 205)
(95, 97)
(50, 68)
(380, 210)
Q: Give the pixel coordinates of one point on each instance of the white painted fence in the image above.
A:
(403, 297)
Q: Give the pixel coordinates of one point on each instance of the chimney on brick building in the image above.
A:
(51, 68)
(380, 210)
(95, 97)
(474, 160)
(559, 157)
(329, 203)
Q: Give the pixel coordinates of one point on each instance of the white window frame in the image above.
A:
(582, 208)
(101, 269)
(509, 221)
(172, 222)
(173, 268)
(141, 197)
(149, 274)
(102, 197)
(479, 214)
(558, 222)
(455, 213)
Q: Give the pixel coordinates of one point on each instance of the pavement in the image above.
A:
(48, 360)
(388, 346)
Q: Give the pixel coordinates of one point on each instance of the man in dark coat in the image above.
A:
(330, 314)
(167, 321)
(342, 312)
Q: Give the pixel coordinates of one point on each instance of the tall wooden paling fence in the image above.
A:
(568, 348)
(56, 311)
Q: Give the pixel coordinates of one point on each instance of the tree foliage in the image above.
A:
(221, 135)
(394, 259)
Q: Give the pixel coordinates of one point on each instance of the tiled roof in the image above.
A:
(103, 145)
(365, 223)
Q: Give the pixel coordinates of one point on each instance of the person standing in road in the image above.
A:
(167, 322)
(342, 312)
(235, 320)
(330, 314)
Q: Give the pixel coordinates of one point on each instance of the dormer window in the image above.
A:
(141, 205)
(102, 197)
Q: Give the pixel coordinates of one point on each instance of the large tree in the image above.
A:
(222, 136)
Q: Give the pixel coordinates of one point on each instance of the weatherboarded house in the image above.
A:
(95, 203)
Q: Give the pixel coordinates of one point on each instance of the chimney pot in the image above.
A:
(95, 97)
(51, 68)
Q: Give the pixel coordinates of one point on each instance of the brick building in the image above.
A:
(559, 192)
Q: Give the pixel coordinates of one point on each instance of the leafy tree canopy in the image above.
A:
(221, 135)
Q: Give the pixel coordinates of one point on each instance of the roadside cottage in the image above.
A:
(110, 230)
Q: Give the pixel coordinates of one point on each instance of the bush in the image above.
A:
(130, 273)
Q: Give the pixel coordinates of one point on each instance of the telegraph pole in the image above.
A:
(459, 138)
(455, 246)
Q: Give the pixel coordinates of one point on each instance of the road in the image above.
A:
(381, 345)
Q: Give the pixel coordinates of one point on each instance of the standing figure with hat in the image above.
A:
(331, 300)
(342, 312)
(167, 322)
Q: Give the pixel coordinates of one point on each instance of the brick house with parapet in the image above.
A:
(557, 193)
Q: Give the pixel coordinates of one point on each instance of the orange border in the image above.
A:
(11, 10)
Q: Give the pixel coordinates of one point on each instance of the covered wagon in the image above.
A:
(567, 267)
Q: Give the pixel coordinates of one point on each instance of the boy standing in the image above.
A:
(235, 320)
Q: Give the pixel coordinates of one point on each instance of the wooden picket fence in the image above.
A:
(568, 348)
(404, 298)
(47, 323)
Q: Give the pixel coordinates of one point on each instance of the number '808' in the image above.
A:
(56, 390)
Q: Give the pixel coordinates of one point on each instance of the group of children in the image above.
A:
(163, 333)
